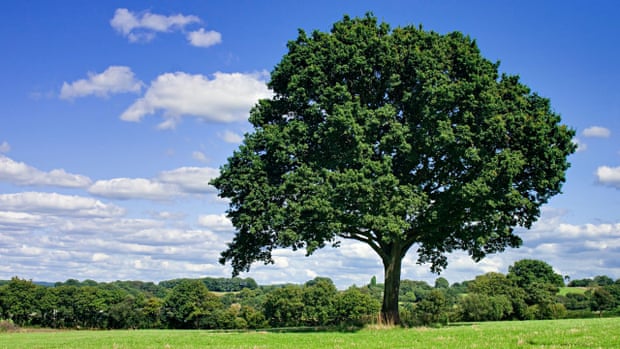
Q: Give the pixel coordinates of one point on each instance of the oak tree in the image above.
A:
(396, 138)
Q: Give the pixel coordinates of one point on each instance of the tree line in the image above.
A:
(530, 290)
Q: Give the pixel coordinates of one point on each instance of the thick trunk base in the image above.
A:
(389, 308)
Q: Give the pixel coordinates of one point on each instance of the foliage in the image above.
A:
(602, 300)
(317, 303)
(540, 284)
(527, 272)
(498, 288)
(442, 282)
(218, 284)
(353, 307)
(482, 307)
(284, 306)
(190, 305)
(18, 301)
(318, 297)
(433, 309)
(395, 138)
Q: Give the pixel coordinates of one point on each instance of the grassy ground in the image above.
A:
(566, 290)
(588, 333)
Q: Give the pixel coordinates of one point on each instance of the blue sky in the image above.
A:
(114, 115)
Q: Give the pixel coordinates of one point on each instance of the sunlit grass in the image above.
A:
(579, 333)
(566, 290)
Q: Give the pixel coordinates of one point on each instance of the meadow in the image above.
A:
(574, 333)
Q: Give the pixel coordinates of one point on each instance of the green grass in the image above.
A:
(586, 333)
(566, 290)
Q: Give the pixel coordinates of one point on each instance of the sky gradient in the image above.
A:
(114, 116)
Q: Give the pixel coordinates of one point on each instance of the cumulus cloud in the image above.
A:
(597, 132)
(114, 80)
(142, 27)
(19, 173)
(9, 219)
(216, 222)
(202, 38)
(170, 238)
(167, 185)
(609, 176)
(117, 226)
(132, 188)
(190, 179)
(53, 203)
(227, 97)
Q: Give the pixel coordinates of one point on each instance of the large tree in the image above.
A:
(396, 138)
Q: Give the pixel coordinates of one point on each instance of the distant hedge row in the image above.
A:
(530, 290)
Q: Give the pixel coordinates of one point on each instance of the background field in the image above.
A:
(581, 333)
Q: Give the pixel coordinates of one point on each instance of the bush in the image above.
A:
(8, 326)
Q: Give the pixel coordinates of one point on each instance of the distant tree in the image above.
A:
(603, 280)
(576, 301)
(413, 291)
(432, 309)
(188, 304)
(152, 311)
(126, 313)
(482, 307)
(253, 318)
(581, 283)
(353, 307)
(442, 282)
(601, 300)
(527, 273)
(284, 306)
(394, 138)
(318, 296)
(18, 301)
(459, 287)
(496, 284)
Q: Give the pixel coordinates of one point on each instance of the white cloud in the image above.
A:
(227, 97)
(168, 184)
(53, 203)
(116, 226)
(596, 132)
(609, 176)
(21, 219)
(100, 257)
(19, 173)
(169, 238)
(231, 137)
(281, 262)
(190, 179)
(132, 188)
(202, 38)
(115, 79)
(5, 147)
(216, 222)
(142, 27)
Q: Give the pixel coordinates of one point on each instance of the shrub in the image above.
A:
(8, 326)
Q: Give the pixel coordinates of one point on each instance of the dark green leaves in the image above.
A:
(394, 138)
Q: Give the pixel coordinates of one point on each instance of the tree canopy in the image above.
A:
(395, 138)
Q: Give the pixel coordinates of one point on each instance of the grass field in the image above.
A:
(566, 290)
(587, 333)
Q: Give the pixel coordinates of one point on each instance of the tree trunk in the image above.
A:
(391, 266)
